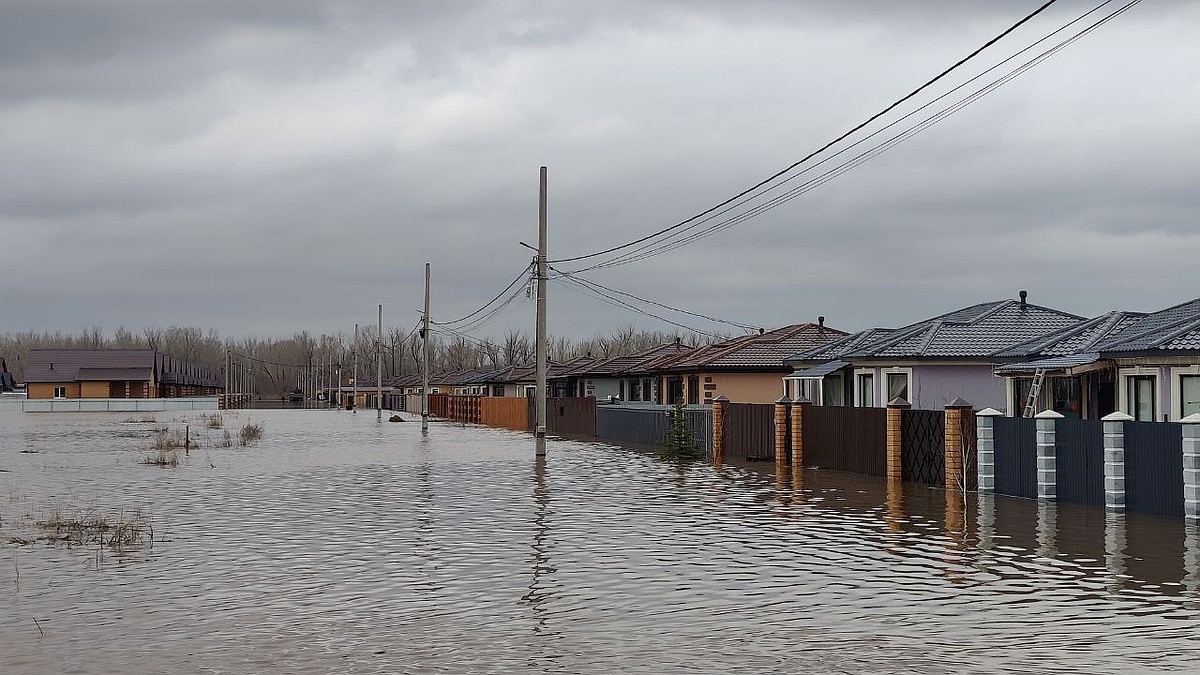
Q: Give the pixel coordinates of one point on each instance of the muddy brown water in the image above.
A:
(338, 544)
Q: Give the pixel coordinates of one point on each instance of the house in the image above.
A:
(745, 369)
(115, 373)
(821, 376)
(626, 378)
(932, 362)
(1076, 382)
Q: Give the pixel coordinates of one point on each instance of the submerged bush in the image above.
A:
(251, 432)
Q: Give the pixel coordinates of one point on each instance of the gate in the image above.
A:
(750, 431)
(846, 439)
(1016, 456)
(923, 447)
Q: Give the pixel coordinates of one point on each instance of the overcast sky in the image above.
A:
(266, 167)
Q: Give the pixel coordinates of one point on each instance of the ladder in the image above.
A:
(1035, 388)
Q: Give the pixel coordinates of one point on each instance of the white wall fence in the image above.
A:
(115, 404)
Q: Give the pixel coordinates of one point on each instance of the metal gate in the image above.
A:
(923, 447)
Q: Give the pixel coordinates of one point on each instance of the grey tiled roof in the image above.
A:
(977, 331)
(842, 345)
(64, 365)
(1053, 363)
(1173, 329)
(768, 350)
(1074, 339)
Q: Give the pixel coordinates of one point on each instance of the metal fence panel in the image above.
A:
(923, 447)
(1079, 458)
(1016, 456)
(1154, 468)
(646, 425)
(750, 431)
(846, 439)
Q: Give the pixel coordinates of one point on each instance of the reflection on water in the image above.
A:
(340, 544)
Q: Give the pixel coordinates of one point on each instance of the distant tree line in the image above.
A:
(278, 364)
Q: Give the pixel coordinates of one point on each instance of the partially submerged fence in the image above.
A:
(570, 416)
(646, 425)
(1117, 463)
(749, 431)
(847, 439)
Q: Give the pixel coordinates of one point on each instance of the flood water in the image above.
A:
(339, 544)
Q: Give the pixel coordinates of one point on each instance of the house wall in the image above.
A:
(95, 390)
(602, 388)
(46, 390)
(932, 386)
(737, 387)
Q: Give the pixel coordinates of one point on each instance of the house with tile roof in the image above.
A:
(746, 369)
(1146, 365)
(1077, 383)
(116, 373)
(934, 361)
(820, 375)
(626, 378)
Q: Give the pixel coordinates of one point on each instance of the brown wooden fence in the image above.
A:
(847, 439)
(750, 431)
(465, 409)
(439, 405)
(507, 413)
(571, 416)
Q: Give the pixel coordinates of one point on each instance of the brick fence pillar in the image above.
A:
(1047, 463)
(895, 419)
(781, 430)
(720, 405)
(1191, 468)
(985, 436)
(800, 408)
(956, 411)
(1114, 460)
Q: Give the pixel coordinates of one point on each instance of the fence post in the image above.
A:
(985, 436)
(1047, 464)
(1191, 468)
(799, 409)
(895, 421)
(720, 404)
(781, 430)
(954, 444)
(1114, 459)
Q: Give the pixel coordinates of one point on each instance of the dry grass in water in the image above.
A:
(214, 421)
(168, 458)
(251, 432)
(119, 533)
(165, 439)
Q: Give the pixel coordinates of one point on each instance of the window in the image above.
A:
(60, 392)
(1068, 397)
(693, 389)
(807, 388)
(1189, 390)
(864, 390)
(897, 386)
(621, 389)
(1141, 397)
(1020, 395)
(647, 389)
(833, 391)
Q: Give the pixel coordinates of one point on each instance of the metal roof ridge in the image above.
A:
(1189, 320)
(933, 332)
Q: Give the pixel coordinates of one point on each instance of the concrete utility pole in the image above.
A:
(354, 380)
(379, 368)
(425, 358)
(228, 361)
(541, 348)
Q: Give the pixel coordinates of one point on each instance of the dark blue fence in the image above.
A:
(1016, 456)
(1154, 468)
(1079, 455)
(648, 425)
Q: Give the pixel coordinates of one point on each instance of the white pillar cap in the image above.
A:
(1117, 417)
(1194, 418)
(989, 412)
(1048, 415)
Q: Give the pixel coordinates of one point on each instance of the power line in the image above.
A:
(596, 284)
(672, 243)
(575, 285)
(823, 148)
(487, 304)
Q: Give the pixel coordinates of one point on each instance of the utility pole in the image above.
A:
(425, 358)
(541, 347)
(354, 380)
(379, 368)
(228, 360)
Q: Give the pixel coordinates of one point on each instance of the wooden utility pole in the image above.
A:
(379, 368)
(539, 431)
(354, 380)
(425, 358)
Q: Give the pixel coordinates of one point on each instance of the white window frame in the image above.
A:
(60, 392)
(896, 370)
(858, 372)
(1123, 377)
(1177, 375)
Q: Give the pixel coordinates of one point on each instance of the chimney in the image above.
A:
(821, 321)
(1024, 295)
(761, 331)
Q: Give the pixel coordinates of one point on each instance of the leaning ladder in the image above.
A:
(1035, 388)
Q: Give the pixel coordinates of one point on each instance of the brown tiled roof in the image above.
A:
(767, 350)
(110, 374)
(63, 365)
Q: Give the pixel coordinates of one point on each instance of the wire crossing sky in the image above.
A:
(278, 166)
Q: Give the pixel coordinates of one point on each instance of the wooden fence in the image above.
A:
(846, 439)
(506, 412)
